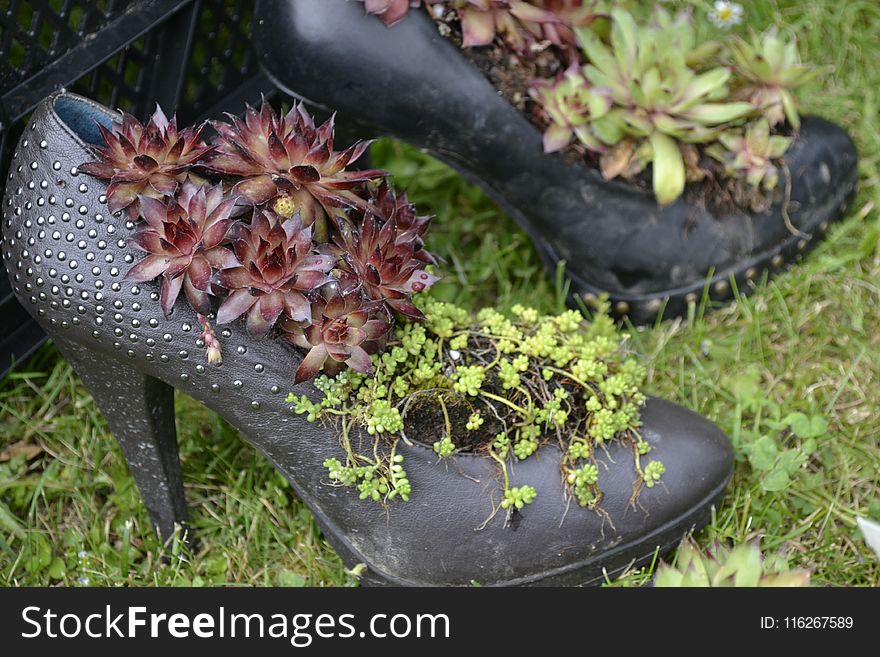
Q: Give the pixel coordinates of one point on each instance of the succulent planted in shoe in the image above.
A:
(144, 160)
(650, 259)
(571, 105)
(344, 329)
(721, 566)
(497, 386)
(279, 265)
(183, 238)
(385, 259)
(410, 226)
(524, 26)
(519, 24)
(660, 97)
(271, 263)
(390, 11)
(768, 72)
(648, 93)
(288, 161)
(751, 154)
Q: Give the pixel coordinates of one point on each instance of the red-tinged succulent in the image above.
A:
(390, 11)
(378, 256)
(340, 332)
(144, 160)
(573, 106)
(411, 227)
(520, 24)
(278, 266)
(289, 161)
(183, 238)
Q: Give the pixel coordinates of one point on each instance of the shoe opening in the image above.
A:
(83, 118)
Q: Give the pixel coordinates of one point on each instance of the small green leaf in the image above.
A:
(747, 388)
(57, 569)
(777, 480)
(806, 427)
(791, 461)
(9, 522)
(216, 565)
(291, 579)
(668, 164)
(764, 453)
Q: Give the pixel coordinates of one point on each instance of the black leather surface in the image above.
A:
(66, 256)
(410, 82)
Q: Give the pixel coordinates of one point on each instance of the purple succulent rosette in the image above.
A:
(266, 223)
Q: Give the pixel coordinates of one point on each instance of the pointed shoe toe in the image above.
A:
(67, 257)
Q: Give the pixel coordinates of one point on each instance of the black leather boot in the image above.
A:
(67, 255)
(411, 83)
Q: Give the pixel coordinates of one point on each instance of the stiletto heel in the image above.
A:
(140, 412)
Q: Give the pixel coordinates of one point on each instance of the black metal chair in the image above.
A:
(190, 55)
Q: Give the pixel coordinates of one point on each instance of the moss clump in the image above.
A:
(495, 385)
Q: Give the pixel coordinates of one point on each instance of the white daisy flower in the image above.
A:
(726, 14)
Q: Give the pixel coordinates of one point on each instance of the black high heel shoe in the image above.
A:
(409, 82)
(66, 255)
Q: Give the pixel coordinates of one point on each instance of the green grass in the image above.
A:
(798, 358)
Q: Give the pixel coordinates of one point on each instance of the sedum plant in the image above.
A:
(741, 566)
(662, 96)
(768, 71)
(500, 386)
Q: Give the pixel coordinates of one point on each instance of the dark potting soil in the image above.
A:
(425, 421)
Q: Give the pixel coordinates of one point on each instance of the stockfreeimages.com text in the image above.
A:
(299, 629)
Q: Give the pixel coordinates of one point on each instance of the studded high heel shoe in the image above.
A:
(66, 256)
(613, 236)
